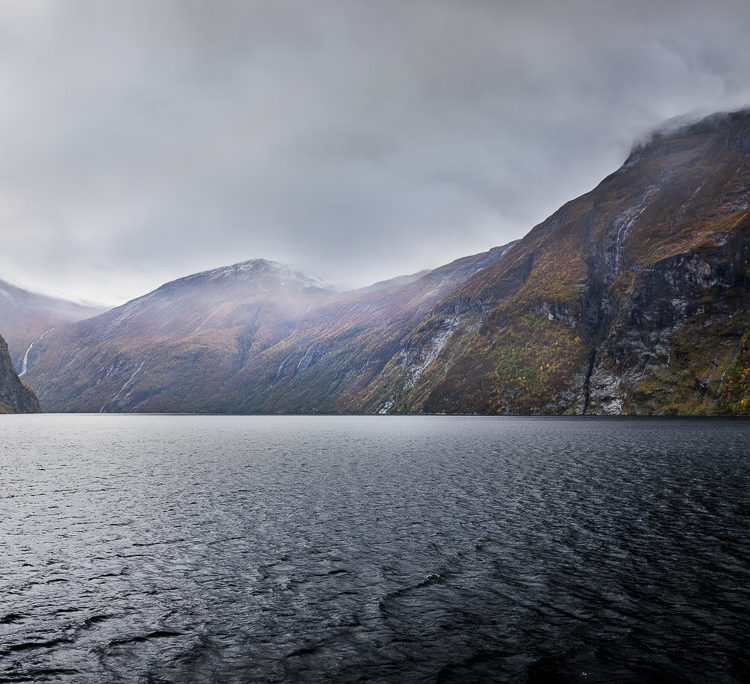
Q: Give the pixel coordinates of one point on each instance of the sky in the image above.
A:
(144, 140)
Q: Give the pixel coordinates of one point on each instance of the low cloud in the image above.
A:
(143, 141)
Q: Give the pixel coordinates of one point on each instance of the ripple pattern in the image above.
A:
(409, 549)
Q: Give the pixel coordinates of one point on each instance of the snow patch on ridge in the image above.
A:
(259, 268)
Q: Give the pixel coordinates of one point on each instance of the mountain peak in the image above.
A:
(689, 126)
(261, 269)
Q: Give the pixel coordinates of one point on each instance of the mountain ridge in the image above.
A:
(26, 315)
(252, 269)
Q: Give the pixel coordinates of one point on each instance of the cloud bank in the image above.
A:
(143, 140)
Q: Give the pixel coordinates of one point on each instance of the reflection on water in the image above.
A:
(234, 549)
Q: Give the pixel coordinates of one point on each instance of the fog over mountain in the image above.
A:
(143, 141)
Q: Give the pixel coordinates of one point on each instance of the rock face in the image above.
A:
(15, 396)
(632, 298)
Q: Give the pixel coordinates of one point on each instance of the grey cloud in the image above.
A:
(141, 141)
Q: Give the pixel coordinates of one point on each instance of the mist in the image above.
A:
(145, 141)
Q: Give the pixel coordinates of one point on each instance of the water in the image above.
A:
(235, 549)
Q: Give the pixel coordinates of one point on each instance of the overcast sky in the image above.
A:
(359, 139)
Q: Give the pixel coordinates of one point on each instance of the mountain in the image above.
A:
(168, 350)
(201, 342)
(632, 298)
(336, 357)
(25, 316)
(15, 396)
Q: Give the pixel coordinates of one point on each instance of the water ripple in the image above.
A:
(207, 549)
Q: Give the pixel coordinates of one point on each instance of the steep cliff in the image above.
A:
(630, 299)
(15, 396)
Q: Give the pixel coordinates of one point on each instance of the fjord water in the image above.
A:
(233, 549)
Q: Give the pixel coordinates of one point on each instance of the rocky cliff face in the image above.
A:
(15, 396)
(632, 298)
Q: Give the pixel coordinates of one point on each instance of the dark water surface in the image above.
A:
(234, 549)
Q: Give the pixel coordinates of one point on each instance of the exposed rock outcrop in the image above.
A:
(15, 395)
(638, 296)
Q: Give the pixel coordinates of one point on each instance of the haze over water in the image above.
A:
(233, 549)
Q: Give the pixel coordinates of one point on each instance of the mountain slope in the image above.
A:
(15, 396)
(168, 350)
(243, 338)
(632, 298)
(25, 316)
(334, 359)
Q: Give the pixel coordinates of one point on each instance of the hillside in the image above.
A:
(204, 342)
(25, 316)
(168, 350)
(632, 298)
